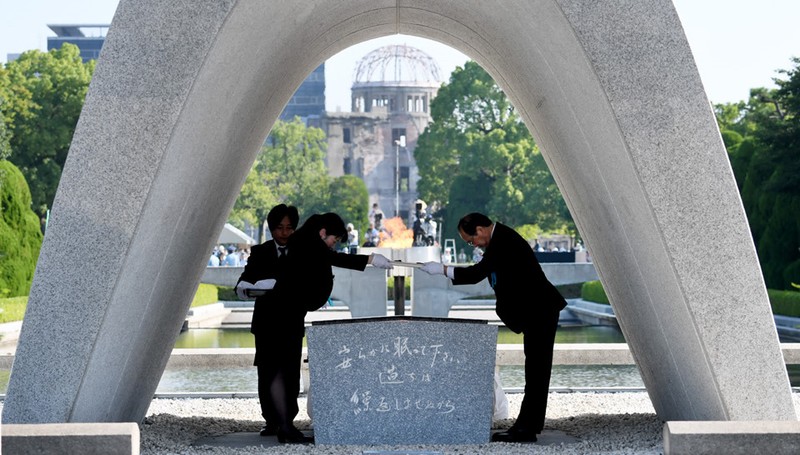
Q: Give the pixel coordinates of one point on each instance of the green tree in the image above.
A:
(350, 199)
(45, 93)
(5, 146)
(463, 199)
(20, 235)
(762, 137)
(781, 133)
(254, 202)
(289, 169)
(777, 247)
(476, 138)
(5, 134)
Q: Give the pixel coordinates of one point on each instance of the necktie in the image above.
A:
(281, 251)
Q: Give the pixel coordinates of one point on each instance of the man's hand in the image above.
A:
(241, 289)
(433, 268)
(269, 283)
(380, 261)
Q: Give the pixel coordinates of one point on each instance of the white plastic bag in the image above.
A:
(500, 400)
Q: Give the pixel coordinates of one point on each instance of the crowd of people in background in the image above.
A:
(228, 256)
(555, 248)
(424, 226)
(372, 237)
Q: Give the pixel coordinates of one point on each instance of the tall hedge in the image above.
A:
(784, 303)
(593, 292)
(20, 234)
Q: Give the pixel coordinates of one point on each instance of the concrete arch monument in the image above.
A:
(185, 93)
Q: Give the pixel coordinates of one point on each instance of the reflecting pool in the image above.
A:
(242, 338)
(243, 379)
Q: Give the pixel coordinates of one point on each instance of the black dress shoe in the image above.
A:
(515, 435)
(294, 436)
(269, 430)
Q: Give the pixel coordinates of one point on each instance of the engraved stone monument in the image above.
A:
(402, 380)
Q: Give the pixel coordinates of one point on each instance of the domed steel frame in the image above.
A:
(396, 63)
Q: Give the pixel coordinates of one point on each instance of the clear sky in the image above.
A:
(737, 44)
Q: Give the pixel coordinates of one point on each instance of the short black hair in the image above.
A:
(279, 212)
(468, 223)
(331, 222)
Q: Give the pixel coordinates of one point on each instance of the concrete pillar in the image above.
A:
(184, 94)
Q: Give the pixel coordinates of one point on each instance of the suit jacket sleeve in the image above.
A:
(349, 261)
(474, 273)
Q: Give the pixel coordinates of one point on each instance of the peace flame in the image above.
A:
(396, 234)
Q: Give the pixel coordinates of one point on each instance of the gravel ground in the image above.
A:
(605, 423)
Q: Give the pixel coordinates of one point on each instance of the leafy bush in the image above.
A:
(390, 288)
(784, 303)
(206, 294)
(593, 292)
(529, 232)
(20, 234)
(12, 309)
(227, 293)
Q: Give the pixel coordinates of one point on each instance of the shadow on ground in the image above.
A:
(587, 433)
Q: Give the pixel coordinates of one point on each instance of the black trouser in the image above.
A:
(278, 362)
(538, 340)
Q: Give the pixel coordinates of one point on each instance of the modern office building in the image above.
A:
(307, 103)
(88, 37)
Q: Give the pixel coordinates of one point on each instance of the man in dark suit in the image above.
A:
(294, 273)
(526, 302)
(264, 263)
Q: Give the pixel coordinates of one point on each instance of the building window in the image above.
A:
(396, 133)
(404, 179)
(346, 135)
(347, 166)
(383, 100)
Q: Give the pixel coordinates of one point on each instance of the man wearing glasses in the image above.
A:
(526, 302)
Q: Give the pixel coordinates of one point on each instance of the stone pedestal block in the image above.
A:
(731, 438)
(63, 438)
(402, 380)
(363, 292)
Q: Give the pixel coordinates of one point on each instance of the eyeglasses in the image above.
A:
(471, 241)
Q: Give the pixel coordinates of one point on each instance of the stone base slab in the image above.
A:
(84, 438)
(731, 437)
